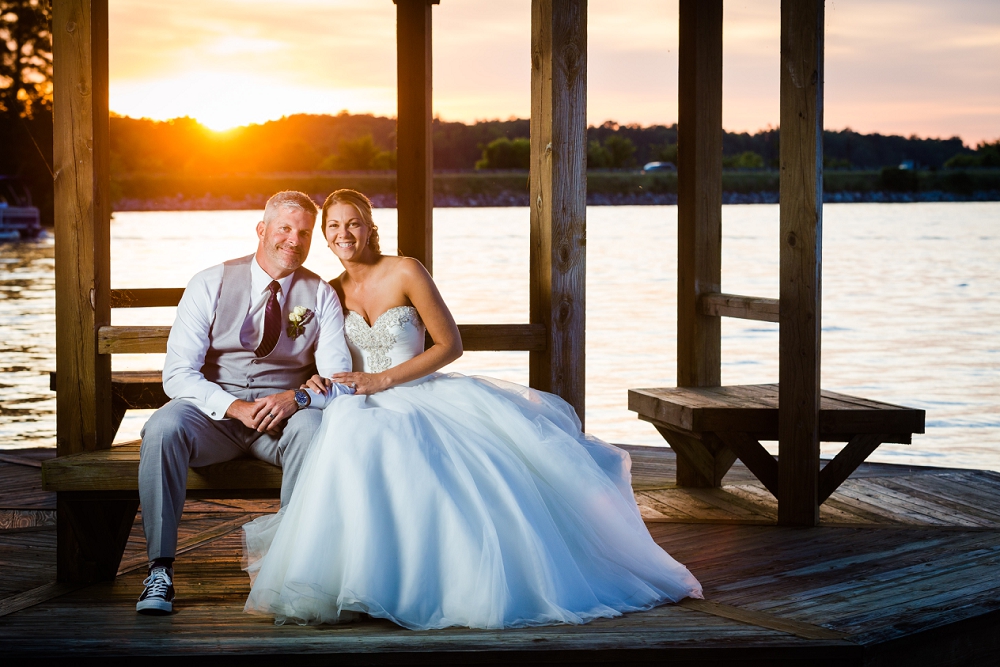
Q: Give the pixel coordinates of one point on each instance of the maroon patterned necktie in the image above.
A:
(272, 322)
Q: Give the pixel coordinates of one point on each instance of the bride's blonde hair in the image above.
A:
(362, 204)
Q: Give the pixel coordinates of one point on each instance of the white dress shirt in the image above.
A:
(189, 338)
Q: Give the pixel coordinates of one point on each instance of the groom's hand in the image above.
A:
(270, 412)
(246, 412)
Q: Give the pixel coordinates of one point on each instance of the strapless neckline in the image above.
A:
(379, 318)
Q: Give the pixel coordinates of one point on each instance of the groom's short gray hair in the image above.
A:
(289, 199)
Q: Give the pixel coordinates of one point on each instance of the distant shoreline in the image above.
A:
(253, 202)
(185, 192)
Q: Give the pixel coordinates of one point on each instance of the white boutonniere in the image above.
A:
(297, 320)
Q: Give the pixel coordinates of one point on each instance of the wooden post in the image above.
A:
(81, 151)
(558, 195)
(414, 165)
(801, 260)
(699, 203)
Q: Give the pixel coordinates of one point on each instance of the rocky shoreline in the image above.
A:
(254, 201)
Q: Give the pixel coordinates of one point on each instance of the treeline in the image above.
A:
(348, 142)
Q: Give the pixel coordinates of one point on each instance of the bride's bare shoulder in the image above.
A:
(406, 267)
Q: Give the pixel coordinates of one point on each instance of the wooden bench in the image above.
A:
(710, 427)
(98, 490)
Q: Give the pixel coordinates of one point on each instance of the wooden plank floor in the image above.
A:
(904, 569)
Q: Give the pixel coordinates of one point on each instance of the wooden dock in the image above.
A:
(904, 569)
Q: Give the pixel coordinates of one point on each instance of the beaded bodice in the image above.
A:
(396, 336)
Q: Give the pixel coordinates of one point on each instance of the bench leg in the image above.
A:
(92, 531)
(701, 463)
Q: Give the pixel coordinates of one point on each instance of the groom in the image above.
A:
(248, 332)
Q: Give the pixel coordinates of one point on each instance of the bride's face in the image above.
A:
(346, 232)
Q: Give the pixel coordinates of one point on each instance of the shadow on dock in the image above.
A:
(903, 569)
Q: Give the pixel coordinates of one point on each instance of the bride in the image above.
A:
(435, 499)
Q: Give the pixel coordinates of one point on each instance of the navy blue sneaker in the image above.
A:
(158, 598)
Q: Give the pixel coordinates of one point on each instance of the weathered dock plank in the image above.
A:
(904, 568)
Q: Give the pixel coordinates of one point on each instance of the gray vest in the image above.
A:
(290, 363)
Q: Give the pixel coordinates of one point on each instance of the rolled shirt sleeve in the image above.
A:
(332, 355)
(188, 343)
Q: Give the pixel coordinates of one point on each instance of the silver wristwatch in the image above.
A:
(302, 398)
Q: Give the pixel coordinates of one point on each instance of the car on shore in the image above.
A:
(658, 166)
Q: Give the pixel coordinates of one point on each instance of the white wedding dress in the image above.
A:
(455, 501)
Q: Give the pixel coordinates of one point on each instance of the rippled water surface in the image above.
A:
(911, 308)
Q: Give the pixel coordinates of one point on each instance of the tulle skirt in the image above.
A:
(458, 501)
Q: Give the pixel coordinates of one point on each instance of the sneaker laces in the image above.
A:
(158, 582)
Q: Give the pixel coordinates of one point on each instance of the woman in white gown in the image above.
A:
(438, 500)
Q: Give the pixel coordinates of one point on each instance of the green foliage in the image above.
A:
(835, 163)
(352, 154)
(895, 179)
(598, 157)
(986, 155)
(990, 153)
(962, 161)
(745, 160)
(617, 153)
(504, 153)
(25, 57)
(361, 154)
(663, 153)
(622, 151)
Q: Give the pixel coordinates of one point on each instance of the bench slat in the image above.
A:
(742, 307)
(754, 409)
(117, 469)
(475, 338)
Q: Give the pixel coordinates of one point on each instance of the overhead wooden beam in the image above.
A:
(558, 196)
(699, 191)
(801, 222)
(414, 153)
(81, 154)
(742, 307)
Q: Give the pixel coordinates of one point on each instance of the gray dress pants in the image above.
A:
(179, 435)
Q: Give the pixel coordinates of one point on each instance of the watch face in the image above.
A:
(302, 398)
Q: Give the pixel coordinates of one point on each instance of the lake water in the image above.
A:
(911, 308)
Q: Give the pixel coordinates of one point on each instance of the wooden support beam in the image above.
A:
(847, 461)
(742, 307)
(81, 154)
(90, 536)
(414, 164)
(558, 195)
(754, 456)
(707, 458)
(801, 222)
(699, 191)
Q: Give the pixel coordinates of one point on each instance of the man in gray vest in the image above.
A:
(248, 333)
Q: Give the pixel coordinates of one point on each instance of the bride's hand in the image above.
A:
(363, 383)
(318, 383)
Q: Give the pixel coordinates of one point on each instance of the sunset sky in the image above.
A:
(920, 67)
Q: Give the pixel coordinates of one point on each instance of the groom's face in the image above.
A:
(284, 242)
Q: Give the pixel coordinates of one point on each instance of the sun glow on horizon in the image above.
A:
(224, 100)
